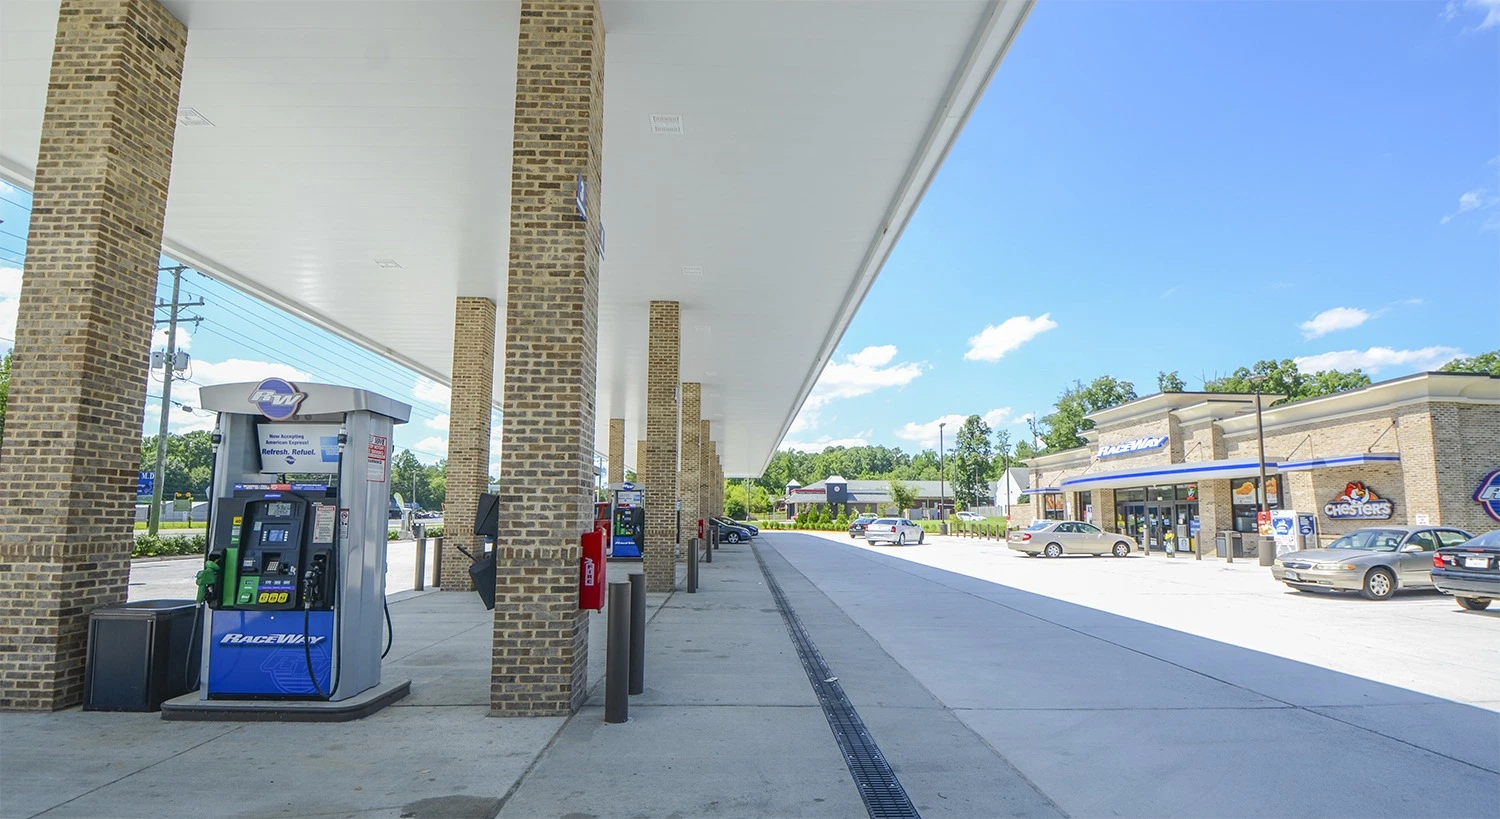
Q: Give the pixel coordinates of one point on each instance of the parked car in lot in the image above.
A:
(753, 530)
(1470, 572)
(969, 516)
(893, 530)
(857, 526)
(732, 533)
(1055, 538)
(1376, 562)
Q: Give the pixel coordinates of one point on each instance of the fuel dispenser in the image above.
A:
(294, 575)
(628, 534)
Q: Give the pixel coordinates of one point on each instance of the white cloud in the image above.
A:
(159, 339)
(859, 374)
(1473, 200)
(1333, 320)
(1024, 418)
(1375, 359)
(438, 422)
(925, 434)
(807, 419)
(10, 301)
(994, 341)
(431, 391)
(823, 443)
(1490, 8)
(431, 449)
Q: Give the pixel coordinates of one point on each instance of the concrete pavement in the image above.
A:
(987, 699)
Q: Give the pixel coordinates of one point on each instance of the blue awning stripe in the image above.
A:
(1343, 460)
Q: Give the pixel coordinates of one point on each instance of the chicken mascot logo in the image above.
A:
(1359, 502)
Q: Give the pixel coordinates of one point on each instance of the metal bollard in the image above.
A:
(617, 654)
(421, 582)
(708, 552)
(437, 561)
(692, 565)
(637, 632)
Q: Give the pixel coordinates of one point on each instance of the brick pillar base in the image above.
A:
(83, 338)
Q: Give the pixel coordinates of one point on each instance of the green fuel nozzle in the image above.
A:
(208, 577)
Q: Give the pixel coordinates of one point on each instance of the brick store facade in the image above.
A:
(1176, 464)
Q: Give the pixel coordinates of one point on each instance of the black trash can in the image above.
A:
(141, 654)
(482, 572)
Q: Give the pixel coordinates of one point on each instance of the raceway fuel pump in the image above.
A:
(294, 577)
(628, 534)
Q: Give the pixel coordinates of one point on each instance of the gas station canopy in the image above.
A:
(350, 163)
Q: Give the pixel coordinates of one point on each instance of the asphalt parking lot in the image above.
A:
(1418, 640)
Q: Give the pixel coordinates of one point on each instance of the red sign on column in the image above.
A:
(591, 571)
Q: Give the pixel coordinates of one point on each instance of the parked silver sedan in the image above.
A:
(899, 531)
(1055, 538)
(1375, 562)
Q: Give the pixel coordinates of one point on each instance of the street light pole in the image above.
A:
(1260, 447)
(942, 490)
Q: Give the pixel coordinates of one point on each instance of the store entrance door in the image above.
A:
(1158, 523)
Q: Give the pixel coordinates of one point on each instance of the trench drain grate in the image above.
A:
(881, 791)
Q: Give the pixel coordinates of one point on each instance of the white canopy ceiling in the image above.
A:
(344, 133)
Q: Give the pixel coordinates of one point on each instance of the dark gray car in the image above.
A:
(1375, 562)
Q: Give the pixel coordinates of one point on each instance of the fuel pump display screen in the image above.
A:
(275, 534)
(278, 510)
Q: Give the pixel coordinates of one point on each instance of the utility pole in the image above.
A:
(942, 473)
(169, 374)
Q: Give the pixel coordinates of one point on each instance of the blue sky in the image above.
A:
(1192, 187)
(1144, 187)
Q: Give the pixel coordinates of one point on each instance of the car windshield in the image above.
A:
(886, 521)
(1370, 540)
(1038, 524)
(865, 517)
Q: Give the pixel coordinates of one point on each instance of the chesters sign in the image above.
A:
(1359, 502)
(1133, 445)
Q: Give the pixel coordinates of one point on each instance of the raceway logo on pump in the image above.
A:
(235, 638)
(277, 398)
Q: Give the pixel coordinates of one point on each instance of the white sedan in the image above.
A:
(1055, 538)
(969, 516)
(899, 531)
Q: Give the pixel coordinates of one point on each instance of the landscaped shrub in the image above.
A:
(157, 546)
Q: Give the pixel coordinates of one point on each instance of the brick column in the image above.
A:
(690, 478)
(640, 462)
(468, 434)
(706, 465)
(663, 348)
(83, 337)
(540, 660)
(616, 452)
(716, 480)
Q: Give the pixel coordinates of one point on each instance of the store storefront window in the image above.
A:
(1246, 500)
(1052, 506)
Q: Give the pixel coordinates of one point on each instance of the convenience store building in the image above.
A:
(1414, 450)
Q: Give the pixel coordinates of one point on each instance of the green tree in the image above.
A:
(4, 393)
(1488, 363)
(189, 463)
(972, 462)
(1067, 420)
(903, 496)
(734, 503)
(1284, 378)
(1170, 382)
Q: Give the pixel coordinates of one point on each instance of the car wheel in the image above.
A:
(733, 537)
(1122, 549)
(921, 536)
(901, 539)
(1031, 554)
(1474, 603)
(1380, 584)
(1053, 550)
